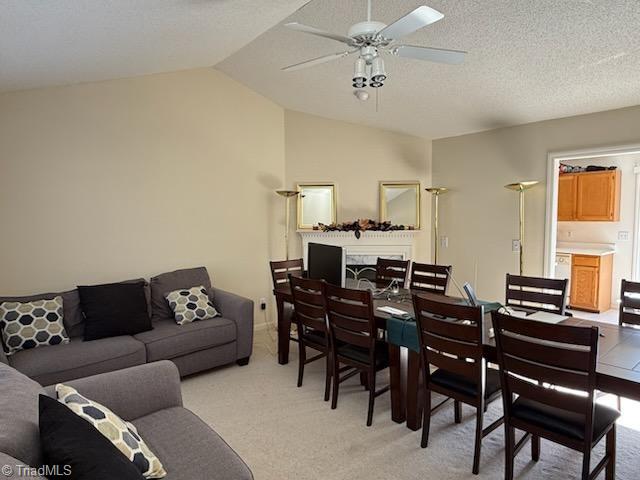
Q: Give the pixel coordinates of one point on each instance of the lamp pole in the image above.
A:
(520, 187)
(436, 192)
(287, 194)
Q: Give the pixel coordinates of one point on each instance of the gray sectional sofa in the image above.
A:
(148, 396)
(193, 347)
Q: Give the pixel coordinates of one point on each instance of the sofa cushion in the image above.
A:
(19, 435)
(168, 340)
(188, 448)
(72, 316)
(164, 283)
(189, 305)
(114, 309)
(79, 359)
(69, 442)
(123, 435)
(32, 324)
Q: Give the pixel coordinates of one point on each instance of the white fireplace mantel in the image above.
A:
(393, 244)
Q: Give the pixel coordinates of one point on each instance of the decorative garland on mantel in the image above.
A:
(362, 225)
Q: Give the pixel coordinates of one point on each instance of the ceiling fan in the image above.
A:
(370, 38)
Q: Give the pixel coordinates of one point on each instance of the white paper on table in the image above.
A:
(391, 310)
(546, 317)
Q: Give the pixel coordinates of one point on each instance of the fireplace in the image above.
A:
(360, 255)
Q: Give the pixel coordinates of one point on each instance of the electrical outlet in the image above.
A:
(623, 236)
(515, 245)
(444, 242)
(263, 304)
(568, 233)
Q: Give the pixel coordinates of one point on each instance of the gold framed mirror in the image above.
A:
(400, 203)
(316, 204)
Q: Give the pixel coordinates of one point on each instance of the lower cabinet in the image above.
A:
(591, 282)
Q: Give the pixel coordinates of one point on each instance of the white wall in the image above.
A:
(480, 216)
(607, 232)
(113, 180)
(356, 158)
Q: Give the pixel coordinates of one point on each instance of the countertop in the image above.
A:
(595, 249)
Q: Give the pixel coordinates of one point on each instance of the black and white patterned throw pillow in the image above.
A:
(191, 304)
(33, 324)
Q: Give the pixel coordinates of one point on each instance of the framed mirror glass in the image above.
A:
(400, 203)
(316, 204)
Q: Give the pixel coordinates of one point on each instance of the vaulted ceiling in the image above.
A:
(527, 60)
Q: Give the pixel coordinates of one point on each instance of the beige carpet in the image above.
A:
(285, 432)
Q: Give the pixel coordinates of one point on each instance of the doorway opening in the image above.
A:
(592, 226)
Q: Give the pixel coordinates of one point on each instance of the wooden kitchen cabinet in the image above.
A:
(591, 282)
(589, 196)
(567, 184)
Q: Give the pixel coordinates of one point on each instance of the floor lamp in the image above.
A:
(287, 194)
(436, 192)
(520, 187)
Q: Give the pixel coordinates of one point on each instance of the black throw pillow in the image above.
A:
(75, 450)
(114, 309)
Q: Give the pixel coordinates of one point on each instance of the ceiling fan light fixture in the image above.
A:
(373, 84)
(378, 73)
(360, 73)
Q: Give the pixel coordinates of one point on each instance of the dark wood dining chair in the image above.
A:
(388, 270)
(450, 338)
(311, 319)
(544, 365)
(430, 278)
(281, 270)
(629, 303)
(354, 335)
(535, 293)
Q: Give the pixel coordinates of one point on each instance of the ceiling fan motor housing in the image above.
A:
(364, 32)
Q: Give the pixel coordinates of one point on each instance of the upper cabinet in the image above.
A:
(589, 196)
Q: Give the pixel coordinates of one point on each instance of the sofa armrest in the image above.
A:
(240, 310)
(133, 392)
(15, 469)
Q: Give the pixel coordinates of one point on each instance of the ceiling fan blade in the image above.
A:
(415, 20)
(317, 61)
(439, 55)
(321, 33)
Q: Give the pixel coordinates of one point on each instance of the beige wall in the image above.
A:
(607, 232)
(480, 216)
(356, 158)
(107, 181)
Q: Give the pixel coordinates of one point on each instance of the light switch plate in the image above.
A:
(515, 245)
(623, 236)
(444, 242)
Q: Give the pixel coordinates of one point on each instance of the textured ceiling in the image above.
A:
(54, 42)
(528, 61)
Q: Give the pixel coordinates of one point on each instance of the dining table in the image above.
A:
(617, 372)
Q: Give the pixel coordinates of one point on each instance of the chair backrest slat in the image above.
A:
(629, 303)
(308, 303)
(546, 294)
(546, 363)
(388, 270)
(430, 278)
(450, 338)
(282, 269)
(351, 318)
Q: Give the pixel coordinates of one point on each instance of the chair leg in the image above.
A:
(619, 403)
(371, 383)
(302, 357)
(610, 451)
(535, 448)
(363, 380)
(509, 451)
(586, 465)
(335, 369)
(478, 444)
(457, 411)
(328, 375)
(426, 418)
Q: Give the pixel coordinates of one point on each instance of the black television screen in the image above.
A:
(325, 263)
